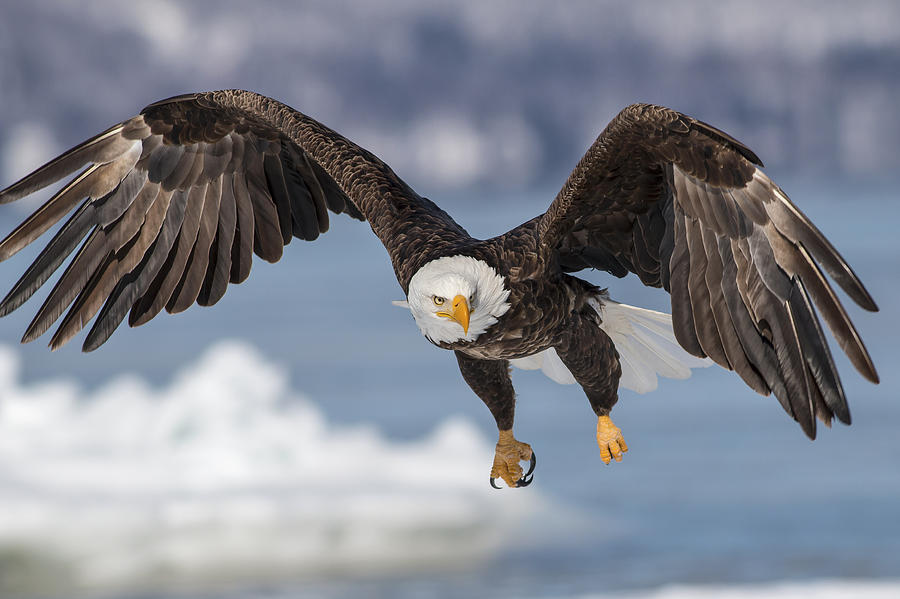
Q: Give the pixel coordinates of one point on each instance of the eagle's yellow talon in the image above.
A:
(615, 451)
(610, 441)
(604, 455)
(507, 455)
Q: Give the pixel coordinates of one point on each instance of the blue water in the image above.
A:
(719, 485)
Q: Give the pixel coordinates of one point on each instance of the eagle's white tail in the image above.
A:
(645, 342)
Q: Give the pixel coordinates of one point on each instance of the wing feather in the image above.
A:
(170, 206)
(189, 225)
(800, 264)
(796, 226)
(760, 366)
(242, 250)
(277, 187)
(131, 287)
(101, 149)
(94, 182)
(220, 268)
(195, 271)
(316, 192)
(185, 172)
(117, 264)
(170, 164)
(741, 261)
(101, 243)
(759, 343)
(267, 234)
(682, 315)
(301, 200)
(821, 369)
(727, 332)
(701, 306)
(50, 258)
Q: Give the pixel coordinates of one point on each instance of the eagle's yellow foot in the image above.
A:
(507, 456)
(610, 440)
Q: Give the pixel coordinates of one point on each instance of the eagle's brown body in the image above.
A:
(181, 196)
(548, 309)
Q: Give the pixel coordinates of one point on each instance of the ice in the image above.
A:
(818, 589)
(226, 474)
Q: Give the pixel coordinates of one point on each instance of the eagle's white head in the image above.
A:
(456, 298)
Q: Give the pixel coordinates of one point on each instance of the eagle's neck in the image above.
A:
(451, 276)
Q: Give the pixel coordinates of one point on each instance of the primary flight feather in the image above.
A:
(169, 207)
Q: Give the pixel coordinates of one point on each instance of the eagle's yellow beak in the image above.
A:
(459, 313)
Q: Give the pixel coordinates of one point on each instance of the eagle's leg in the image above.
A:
(591, 357)
(489, 379)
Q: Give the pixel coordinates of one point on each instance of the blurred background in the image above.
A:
(302, 439)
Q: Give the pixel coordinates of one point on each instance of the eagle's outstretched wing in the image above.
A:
(684, 206)
(175, 201)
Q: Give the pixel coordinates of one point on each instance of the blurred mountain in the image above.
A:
(461, 95)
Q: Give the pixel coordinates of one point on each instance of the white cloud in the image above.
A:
(446, 150)
(449, 150)
(515, 150)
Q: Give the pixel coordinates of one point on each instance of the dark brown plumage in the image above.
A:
(740, 260)
(180, 197)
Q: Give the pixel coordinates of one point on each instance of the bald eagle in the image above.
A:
(171, 205)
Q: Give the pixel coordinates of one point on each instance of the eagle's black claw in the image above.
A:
(524, 481)
(533, 464)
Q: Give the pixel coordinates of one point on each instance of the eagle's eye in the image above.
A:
(438, 300)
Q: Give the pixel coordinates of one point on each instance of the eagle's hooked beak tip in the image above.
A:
(460, 312)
